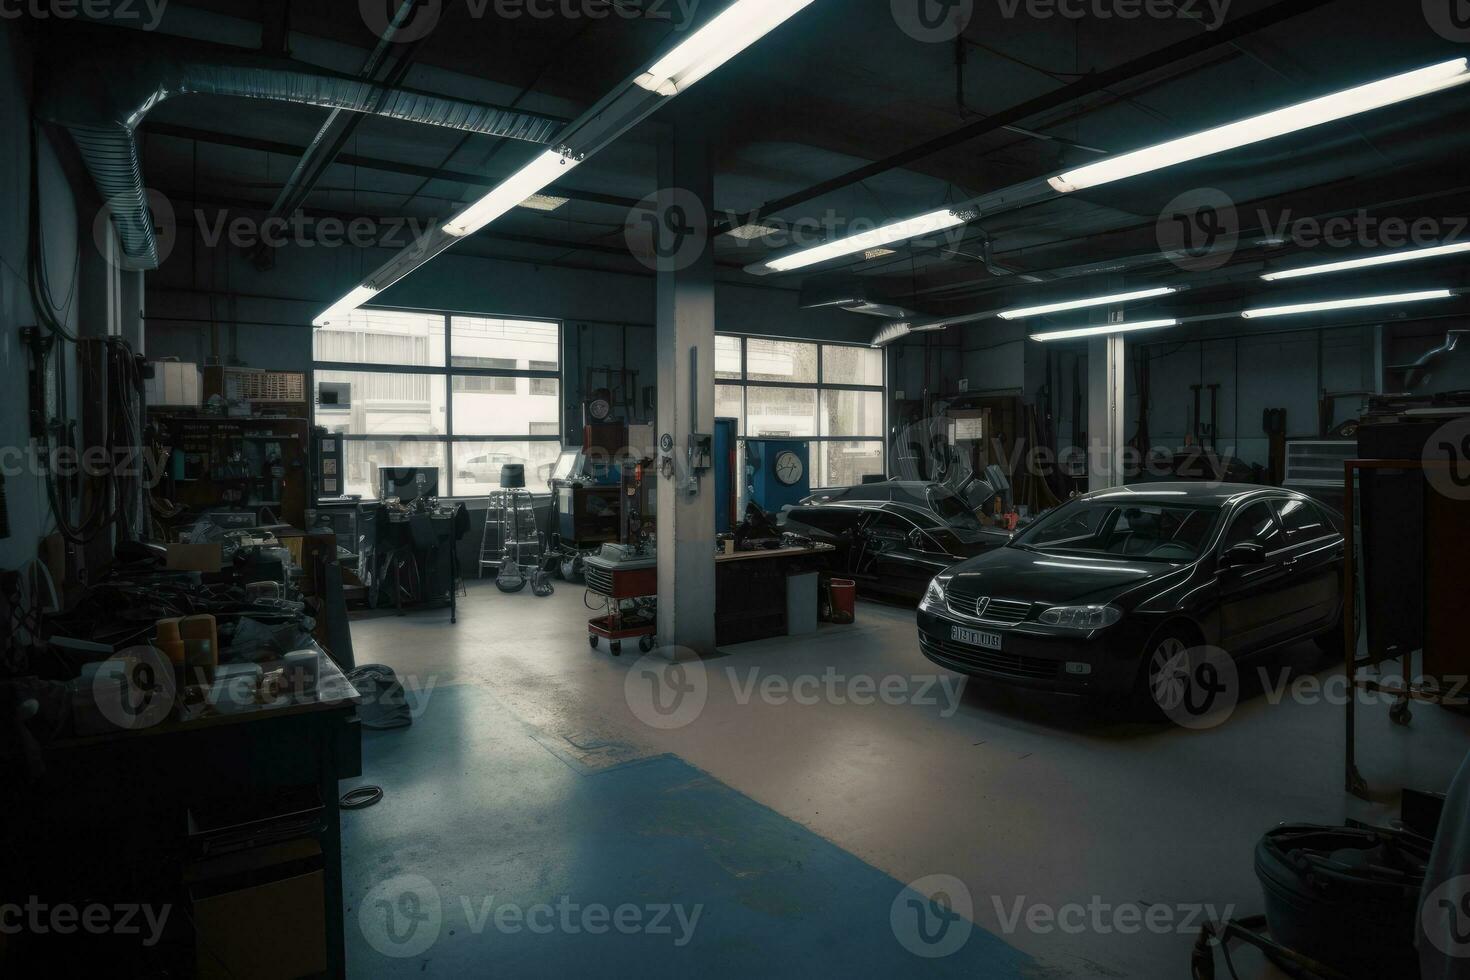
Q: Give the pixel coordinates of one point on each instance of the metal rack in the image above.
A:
(511, 533)
(1407, 691)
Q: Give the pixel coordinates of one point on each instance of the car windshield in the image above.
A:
(953, 509)
(1104, 527)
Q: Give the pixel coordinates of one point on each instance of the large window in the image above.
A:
(464, 394)
(830, 395)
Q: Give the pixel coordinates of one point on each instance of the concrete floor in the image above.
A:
(1032, 803)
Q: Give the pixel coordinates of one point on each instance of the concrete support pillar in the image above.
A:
(1106, 377)
(686, 391)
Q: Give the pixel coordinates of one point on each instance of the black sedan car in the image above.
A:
(891, 550)
(1098, 596)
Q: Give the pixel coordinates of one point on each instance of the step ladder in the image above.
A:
(510, 531)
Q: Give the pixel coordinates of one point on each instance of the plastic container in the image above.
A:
(1347, 897)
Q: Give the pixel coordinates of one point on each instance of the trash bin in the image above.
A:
(842, 600)
(801, 603)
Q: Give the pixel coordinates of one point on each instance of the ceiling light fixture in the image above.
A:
(1348, 304)
(895, 231)
(729, 33)
(1389, 258)
(343, 308)
(544, 202)
(748, 233)
(1103, 328)
(1304, 115)
(1082, 304)
(735, 28)
(510, 192)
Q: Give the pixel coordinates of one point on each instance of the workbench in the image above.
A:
(750, 590)
(109, 822)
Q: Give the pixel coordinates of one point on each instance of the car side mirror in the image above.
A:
(1245, 553)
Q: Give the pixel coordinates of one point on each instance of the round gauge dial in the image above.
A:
(599, 405)
(789, 468)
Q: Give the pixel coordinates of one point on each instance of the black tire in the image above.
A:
(616, 646)
(592, 640)
(645, 643)
(1168, 642)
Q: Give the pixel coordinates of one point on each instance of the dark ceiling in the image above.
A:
(839, 87)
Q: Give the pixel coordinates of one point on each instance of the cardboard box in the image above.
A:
(196, 557)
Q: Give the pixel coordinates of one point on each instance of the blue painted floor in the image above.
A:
(492, 856)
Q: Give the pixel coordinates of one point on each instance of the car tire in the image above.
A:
(1168, 641)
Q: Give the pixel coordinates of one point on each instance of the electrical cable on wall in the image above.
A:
(116, 492)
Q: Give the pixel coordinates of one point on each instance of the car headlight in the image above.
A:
(934, 596)
(1081, 617)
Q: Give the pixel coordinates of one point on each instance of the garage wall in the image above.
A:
(208, 303)
(1255, 372)
(29, 513)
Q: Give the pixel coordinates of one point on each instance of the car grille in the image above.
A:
(958, 656)
(1000, 612)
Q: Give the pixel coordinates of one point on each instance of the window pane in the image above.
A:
(730, 404)
(384, 403)
(852, 366)
(781, 411)
(852, 413)
(515, 344)
(477, 465)
(506, 406)
(844, 464)
(727, 358)
(780, 360)
(379, 337)
(363, 458)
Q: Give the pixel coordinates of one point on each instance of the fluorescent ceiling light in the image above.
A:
(1103, 328)
(1348, 304)
(731, 32)
(737, 27)
(1389, 258)
(750, 232)
(896, 231)
(543, 202)
(878, 253)
(1315, 112)
(510, 192)
(1082, 304)
(343, 308)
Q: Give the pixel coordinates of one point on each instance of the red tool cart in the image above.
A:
(628, 582)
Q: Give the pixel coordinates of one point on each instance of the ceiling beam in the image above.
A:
(1092, 84)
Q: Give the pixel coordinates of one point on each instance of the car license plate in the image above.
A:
(976, 638)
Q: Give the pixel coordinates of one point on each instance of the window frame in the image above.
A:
(447, 373)
(819, 386)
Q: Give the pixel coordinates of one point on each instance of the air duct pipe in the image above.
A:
(100, 86)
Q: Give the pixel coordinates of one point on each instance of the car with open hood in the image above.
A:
(891, 550)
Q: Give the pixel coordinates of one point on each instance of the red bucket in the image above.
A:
(842, 594)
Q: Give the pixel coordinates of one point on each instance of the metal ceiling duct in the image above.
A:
(851, 293)
(101, 85)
